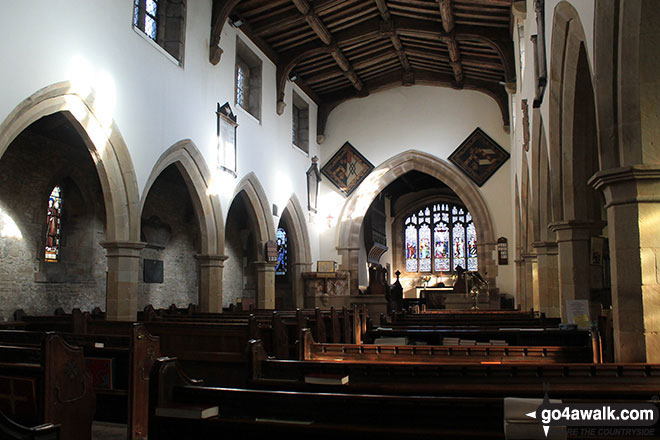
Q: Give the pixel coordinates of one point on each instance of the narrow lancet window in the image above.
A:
(53, 226)
(282, 252)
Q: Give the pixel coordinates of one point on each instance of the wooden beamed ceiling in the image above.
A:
(343, 49)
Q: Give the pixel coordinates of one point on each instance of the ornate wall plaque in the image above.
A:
(347, 169)
(479, 156)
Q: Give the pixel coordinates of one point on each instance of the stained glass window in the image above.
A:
(440, 237)
(145, 17)
(411, 246)
(242, 84)
(282, 252)
(53, 225)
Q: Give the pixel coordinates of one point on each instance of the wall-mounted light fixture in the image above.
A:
(313, 180)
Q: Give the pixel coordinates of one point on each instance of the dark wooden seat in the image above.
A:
(47, 383)
(629, 382)
(250, 412)
(10, 430)
(119, 366)
(311, 350)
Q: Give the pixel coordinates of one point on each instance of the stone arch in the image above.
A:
(355, 208)
(573, 151)
(297, 223)
(90, 117)
(192, 166)
(258, 201)
(210, 261)
(258, 207)
(568, 54)
(105, 144)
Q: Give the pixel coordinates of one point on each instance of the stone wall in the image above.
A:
(29, 169)
(169, 201)
(239, 276)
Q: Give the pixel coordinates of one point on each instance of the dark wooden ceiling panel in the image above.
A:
(342, 49)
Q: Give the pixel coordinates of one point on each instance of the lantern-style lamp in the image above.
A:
(313, 179)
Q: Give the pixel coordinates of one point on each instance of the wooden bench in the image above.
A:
(628, 382)
(47, 384)
(119, 366)
(10, 430)
(311, 350)
(252, 413)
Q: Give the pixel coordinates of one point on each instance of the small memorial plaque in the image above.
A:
(153, 271)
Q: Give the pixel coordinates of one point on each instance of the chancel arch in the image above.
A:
(355, 208)
(185, 168)
(248, 228)
(91, 118)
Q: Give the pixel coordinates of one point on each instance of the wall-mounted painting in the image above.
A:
(479, 156)
(347, 169)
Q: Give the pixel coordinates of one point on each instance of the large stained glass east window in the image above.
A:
(282, 252)
(53, 225)
(440, 237)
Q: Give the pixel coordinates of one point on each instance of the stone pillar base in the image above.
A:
(210, 269)
(123, 262)
(265, 284)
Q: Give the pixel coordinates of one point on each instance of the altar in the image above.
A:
(444, 298)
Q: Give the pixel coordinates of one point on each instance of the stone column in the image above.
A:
(633, 214)
(210, 269)
(574, 258)
(521, 294)
(547, 276)
(265, 284)
(531, 283)
(123, 273)
(350, 263)
(299, 283)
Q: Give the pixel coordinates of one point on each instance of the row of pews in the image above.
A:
(109, 361)
(396, 390)
(328, 373)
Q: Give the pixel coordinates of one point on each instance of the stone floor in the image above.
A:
(108, 431)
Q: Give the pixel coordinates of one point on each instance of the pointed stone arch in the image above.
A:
(544, 242)
(191, 165)
(573, 149)
(258, 207)
(116, 174)
(105, 144)
(625, 56)
(355, 208)
(294, 216)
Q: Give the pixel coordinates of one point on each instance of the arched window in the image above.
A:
(53, 225)
(282, 252)
(440, 237)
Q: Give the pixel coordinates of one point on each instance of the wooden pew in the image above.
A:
(119, 366)
(600, 382)
(252, 413)
(10, 430)
(47, 384)
(311, 350)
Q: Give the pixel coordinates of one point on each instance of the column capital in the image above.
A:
(571, 230)
(628, 185)
(542, 248)
(132, 249)
(265, 266)
(211, 260)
